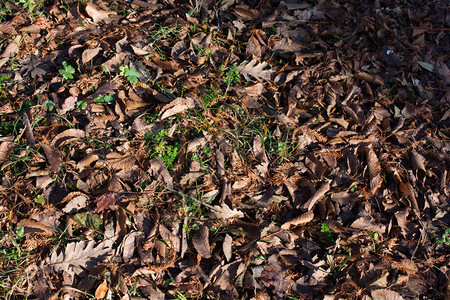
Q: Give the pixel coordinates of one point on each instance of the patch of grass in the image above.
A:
(335, 269)
(209, 98)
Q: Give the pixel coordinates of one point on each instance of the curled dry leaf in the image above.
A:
(300, 220)
(97, 14)
(67, 136)
(89, 54)
(177, 106)
(225, 212)
(317, 196)
(369, 78)
(227, 244)
(374, 169)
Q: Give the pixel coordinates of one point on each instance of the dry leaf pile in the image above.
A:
(224, 150)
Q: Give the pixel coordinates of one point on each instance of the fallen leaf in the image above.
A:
(300, 220)
(5, 151)
(78, 257)
(53, 156)
(225, 212)
(97, 14)
(101, 290)
(89, 54)
(67, 137)
(381, 294)
(226, 247)
(35, 227)
(256, 70)
(105, 202)
(177, 106)
(200, 239)
(317, 196)
(374, 169)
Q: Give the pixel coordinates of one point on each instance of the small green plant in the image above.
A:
(374, 236)
(326, 232)
(232, 77)
(39, 199)
(49, 105)
(81, 105)
(445, 238)
(107, 98)
(130, 74)
(67, 72)
(158, 146)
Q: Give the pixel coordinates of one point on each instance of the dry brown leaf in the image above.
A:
(32, 226)
(69, 104)
(159, 170)
(7, 28)
(105, 202)
(374, 169)
(443, 71)
(76, 203)
(300, 220)
(78, 257)
(89, 54)
(380, 294)
(200, 239)
(67, 136)
(227, 244)
(369, 78)
(97, 14)
(119, 161)
(177, 106)
(101, 290)
(10, 50)
(317, 196)
(5, 151)
(417, 161)
(246, 13)
(225, 212)
(366, 224)
(53, 156)
(257, 71)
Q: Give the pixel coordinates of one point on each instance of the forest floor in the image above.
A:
(167, 149)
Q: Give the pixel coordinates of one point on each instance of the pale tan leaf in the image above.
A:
(101, 290)
(225, 212)
(67, 136)
(385, 295)
(300, 220)
(88, 160)
(119, 161)
(69, 104)
(7, 28)
(89, 54)
(227, 244)
(97, 14)
(367, 224)
(78, 257)
(5, 151)
(177, 106)
(200, 239)
(257, 71)
(374, 169)
(76, 203)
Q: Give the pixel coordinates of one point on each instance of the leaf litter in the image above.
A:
(251, 150)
